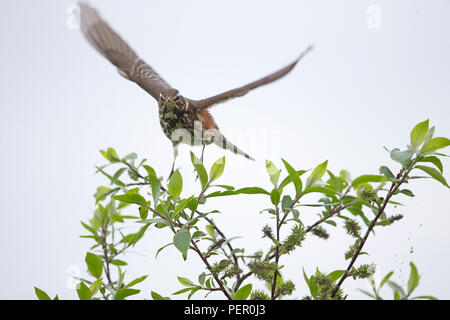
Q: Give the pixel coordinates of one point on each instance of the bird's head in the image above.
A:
(172, 98)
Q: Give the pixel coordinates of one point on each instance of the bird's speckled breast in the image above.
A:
(172, 118)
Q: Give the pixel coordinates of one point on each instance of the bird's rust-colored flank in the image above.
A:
(175, 111)
(207, 120)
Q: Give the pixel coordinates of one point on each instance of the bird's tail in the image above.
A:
(226, 144)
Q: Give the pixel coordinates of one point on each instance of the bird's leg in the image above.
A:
(201, 159)
(175, 154)
(203, 151)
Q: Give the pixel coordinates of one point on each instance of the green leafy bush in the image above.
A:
(358, 204)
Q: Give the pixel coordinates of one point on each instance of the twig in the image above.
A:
(236, 262)
(105, 255)
(205, 261)
(277, 253)
(392, 190)
(333, 212)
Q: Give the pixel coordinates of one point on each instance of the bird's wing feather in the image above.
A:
(103, 38)
(241, 91)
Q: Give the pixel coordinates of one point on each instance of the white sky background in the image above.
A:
(360, 89)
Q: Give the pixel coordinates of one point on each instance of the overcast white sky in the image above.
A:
(361, 88)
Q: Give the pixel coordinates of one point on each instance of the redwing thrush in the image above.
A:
(182, 119)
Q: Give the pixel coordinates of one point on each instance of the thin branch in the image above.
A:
(392, 190)
(333, 212)
(236, 262)
(105, 255)
(277, 251)
(205, 261)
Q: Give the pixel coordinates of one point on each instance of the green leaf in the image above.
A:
(384, 223)
(83, 292)
(367, 293)
(211, 231)
(41, 294)
(136, 281)
(305, 277)
(143, 213)
(331, 222)
(183, 204)
(154, 182)
(157, 296)
(385, 279)
(367, 178)
(295, 178)
(418, 134)
(407, 192)
(183, 290)
(95, 286)
(186, 282)
(247, 190)
(335, 275)
(425, 297)
(275, 196)
(320, 189)
(344, 174)
(413, 281)
(198, 234)
(110, 155)
(116, 176)
(335, 182)
(250, 190)
(118, 262)
(273, 172)
(434, 174)
(396, 288)
(89, 228)
(102, 193)
(175, 185)
(181, 240)
(157, 221)
(130, 156)
(201, 171)
(132, 198)
(434, 160)
(132, 174)
(403, 157)
(288, 179)
(317, 173)
(430, 135)
(193, 204)
(286, 204)
(217, 169)
(313, 288)
(435, 144)
(243, 292)
(162, 248)
(94, 264)
(201, 278)
(226, 187)
(387, 173)
(194, 290)
(123, 293)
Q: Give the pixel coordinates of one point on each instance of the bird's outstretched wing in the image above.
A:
(98, 32)
(241, 91)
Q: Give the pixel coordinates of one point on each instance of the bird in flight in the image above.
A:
(182, 120)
